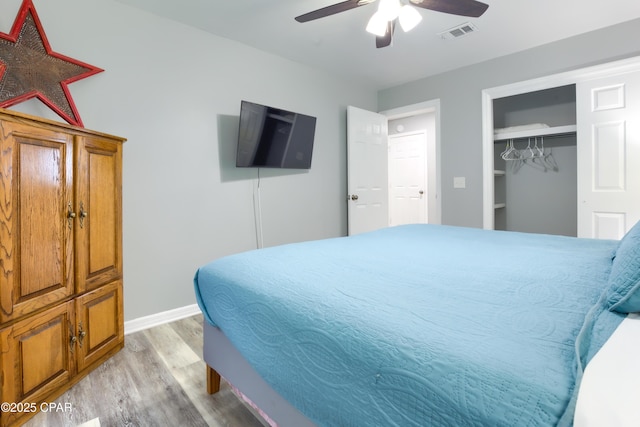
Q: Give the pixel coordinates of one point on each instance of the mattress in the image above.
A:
(418, 325)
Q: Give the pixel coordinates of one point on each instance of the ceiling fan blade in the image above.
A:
(386, 40)
(471, 8)
(331, 10)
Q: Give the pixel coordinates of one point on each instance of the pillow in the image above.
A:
(623, 293)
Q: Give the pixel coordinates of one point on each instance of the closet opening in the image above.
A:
(535, 162)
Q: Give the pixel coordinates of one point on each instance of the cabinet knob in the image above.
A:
(82, 334)
(70, 215)
(83, 214)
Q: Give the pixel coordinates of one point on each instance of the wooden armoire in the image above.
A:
(61, 306)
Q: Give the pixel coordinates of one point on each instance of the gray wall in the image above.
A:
(461, 110)
(553, 107)
(412, 123)
(539, 200)
(175, 93)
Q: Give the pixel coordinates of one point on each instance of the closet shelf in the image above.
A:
(499, 205)
(498, 172)
(530, 133)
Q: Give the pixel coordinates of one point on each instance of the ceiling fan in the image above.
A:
(383, 22)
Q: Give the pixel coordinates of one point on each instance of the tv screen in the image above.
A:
(274, 138)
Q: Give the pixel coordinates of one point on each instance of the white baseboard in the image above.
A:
(146, 322)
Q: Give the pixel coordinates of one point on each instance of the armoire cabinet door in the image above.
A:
(100, 323)
(99, 207)
(36, 245)
(37, 358)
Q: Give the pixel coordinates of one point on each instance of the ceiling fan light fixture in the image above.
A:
(409, 17)
(377, 25)
(389, 9)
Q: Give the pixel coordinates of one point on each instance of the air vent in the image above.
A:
(458, 31)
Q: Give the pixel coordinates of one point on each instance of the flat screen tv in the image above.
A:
(270, 137)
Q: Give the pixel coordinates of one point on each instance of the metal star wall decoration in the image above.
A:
(29, 68)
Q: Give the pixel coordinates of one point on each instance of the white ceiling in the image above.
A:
(340, 44)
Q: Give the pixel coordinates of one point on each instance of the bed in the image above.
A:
(418, 325)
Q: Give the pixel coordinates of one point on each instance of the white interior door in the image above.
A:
(608, 112)
(407, 178)
(368, 204)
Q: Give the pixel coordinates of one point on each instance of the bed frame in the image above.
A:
(618, 371)
(224, 361)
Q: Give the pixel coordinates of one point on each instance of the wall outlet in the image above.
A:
(459, 182)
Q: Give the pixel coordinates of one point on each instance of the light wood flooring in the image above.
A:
(157, 379)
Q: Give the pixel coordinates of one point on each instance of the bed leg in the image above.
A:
(213, 380)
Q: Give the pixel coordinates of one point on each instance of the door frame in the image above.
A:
(547, 82)
(434, 205)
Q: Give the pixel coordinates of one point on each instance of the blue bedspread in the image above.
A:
(418, 325)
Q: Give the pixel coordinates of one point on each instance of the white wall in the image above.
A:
(175, 93)
(460, 94)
